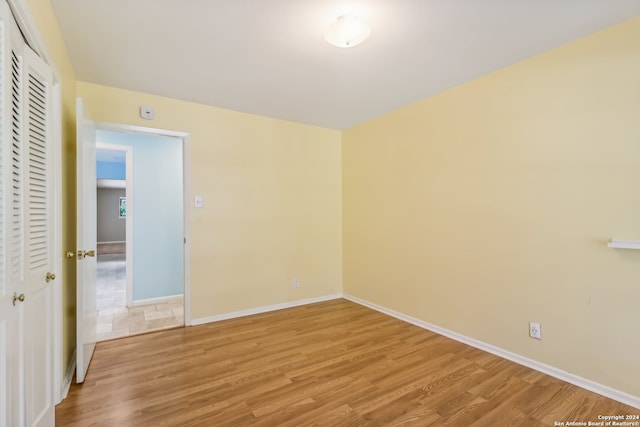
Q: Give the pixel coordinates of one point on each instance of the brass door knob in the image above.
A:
(79, 254)
(50, 277)
(17, 297)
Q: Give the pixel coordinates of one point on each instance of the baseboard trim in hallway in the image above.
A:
(159, 300)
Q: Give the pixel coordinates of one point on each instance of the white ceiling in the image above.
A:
(269, 57)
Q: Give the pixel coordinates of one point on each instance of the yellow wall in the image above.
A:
(59, 60)
(272, 197)
(490, 205)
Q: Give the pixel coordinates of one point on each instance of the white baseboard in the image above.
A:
(263, 309)
(620, 396)
(149, 301)
(68, 377)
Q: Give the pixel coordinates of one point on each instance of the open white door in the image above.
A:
(87, 313)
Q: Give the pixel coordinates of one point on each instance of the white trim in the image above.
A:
(158, 300)
(624, 244)
(128, 185)
(593, 386)
(59, 252)
(186, 216)
(23, 16)
(111, 183)
(68, 378)
(128, 223)
(263, 309)
(186, 172)
(117, 127)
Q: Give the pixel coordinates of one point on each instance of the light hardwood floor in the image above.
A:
(328, 364)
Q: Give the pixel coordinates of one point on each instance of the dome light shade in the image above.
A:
(347, 31)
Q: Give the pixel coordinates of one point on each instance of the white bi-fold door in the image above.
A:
(26, 241)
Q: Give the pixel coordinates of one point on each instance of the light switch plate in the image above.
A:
(199, 202)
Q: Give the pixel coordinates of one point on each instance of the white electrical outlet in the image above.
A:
(534, 330)
(296, 283)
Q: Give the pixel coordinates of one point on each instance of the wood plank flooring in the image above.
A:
(328, 364)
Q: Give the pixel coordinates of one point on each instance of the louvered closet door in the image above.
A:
(5, 292)
(11, 231)
(26, 331)
(38, 250)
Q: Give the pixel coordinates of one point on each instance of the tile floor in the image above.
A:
(115, 320)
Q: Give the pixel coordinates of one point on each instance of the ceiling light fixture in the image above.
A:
(347, 31)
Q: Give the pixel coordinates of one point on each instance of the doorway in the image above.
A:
(140, 278)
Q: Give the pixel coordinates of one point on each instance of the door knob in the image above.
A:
(79, 254)
(90, 253)
(17, 297)
(50, 277)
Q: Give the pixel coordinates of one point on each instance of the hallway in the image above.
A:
(115, 320)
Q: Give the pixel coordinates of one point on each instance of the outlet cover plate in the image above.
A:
(534, 330)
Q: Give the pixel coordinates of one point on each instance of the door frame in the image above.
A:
(130, 213)
(185, 138)
(61, 379)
